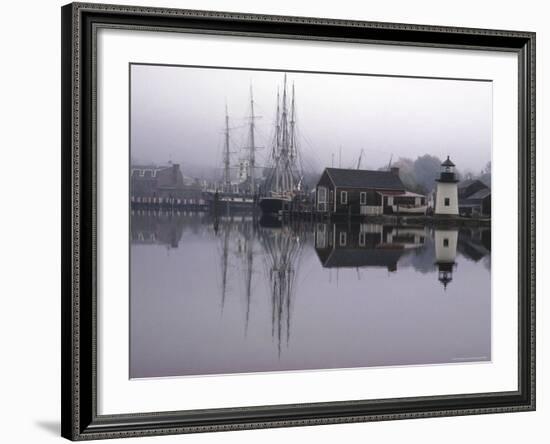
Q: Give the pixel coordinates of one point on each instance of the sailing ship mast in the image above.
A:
(277, 144)
(252, 147)
(251, 151)
(284, 153)
(293, 152)
(226, 156)
(284, 143)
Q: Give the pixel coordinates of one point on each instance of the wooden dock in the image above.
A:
(168, 204)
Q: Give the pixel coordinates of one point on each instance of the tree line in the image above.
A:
(419, 175)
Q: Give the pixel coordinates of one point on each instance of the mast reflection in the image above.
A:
(283, 246)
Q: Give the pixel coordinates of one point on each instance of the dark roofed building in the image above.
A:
(363, 192)
(474, 198)
(376, 180)
(470, 186)
(162, 182)
(481, 194)
(156, 181)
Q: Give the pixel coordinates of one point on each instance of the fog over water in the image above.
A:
(177, 113)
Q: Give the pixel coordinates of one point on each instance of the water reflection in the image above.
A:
(365, 245)
(264, 269)
(282, 246)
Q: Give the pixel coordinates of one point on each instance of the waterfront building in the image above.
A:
(355, 192)
(157, 184)
(474, 198)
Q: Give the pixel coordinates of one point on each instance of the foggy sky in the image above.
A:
(177, 114)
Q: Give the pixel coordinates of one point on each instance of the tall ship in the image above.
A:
(284, 180)
(238, 187)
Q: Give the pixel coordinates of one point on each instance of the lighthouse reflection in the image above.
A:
(274, 292)
(446, 241)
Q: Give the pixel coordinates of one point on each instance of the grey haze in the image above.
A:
(177, 114)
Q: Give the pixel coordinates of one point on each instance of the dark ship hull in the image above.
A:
(233, 201)
(273, 205)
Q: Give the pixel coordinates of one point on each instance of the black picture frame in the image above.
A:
(79, 171)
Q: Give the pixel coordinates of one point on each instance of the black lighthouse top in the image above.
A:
(447, 172)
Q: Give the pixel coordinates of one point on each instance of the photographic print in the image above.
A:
(298, 221)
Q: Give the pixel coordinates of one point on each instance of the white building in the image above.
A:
(446, 195)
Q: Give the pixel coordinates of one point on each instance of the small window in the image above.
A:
(343, 197)
(445, 242)
(343, 238)
(362, 238)
(447, 201)
(363, 198)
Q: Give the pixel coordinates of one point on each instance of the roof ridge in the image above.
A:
(365, 178)
(359, 170)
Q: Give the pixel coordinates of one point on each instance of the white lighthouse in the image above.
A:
(446, 195)
(446, 241)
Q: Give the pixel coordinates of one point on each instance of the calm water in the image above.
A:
(240, 295)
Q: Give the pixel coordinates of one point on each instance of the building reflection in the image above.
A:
(365, 245)
(148, 227)
(475, 243)
(336, 245)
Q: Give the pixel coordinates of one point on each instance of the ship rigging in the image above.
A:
(241, 193)
(284, 182)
